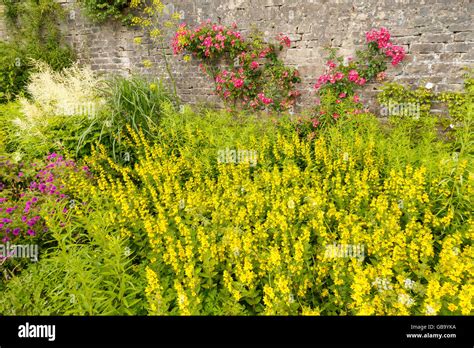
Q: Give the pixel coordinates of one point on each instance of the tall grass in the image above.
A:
(134, 101)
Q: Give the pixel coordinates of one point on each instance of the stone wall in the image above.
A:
(437, 34)
(3, 27)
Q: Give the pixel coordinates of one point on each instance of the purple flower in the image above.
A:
(65, 210)
(16, 231)
(51, 156)
(7, 221)
(34, 199)
(31, 232)
(20, 174)
(24, 218)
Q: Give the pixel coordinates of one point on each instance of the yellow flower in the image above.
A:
(135, 3)
(147, 63)
(155, 33)
(137, 40)
(176, 16)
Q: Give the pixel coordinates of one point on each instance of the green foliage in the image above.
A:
(396, 94)
(58, 134)
(8, 138)
(457, 102)
(84, 274)
(35, 34)
(55, 134)
(13, 71)
(134, 101)
(102, 10)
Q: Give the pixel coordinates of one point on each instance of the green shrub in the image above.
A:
(35, 34)
(101, 10)
(13, 71)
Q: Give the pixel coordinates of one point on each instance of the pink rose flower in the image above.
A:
(238, 83)
(353, 75)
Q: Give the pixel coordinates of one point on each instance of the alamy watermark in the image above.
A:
(401, 109)
(237, 156)
(345, 251)
(88, 109)
(19, 251)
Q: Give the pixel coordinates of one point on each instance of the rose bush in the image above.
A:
(337, 87)
(258, 79)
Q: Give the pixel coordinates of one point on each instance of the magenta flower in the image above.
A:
(353, 75)
(238, 83)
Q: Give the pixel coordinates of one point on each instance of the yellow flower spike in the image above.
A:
(135, 3)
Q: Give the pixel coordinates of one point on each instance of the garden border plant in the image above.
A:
(337, 87)
(258, 79)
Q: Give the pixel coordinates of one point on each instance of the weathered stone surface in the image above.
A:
(438, 36)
